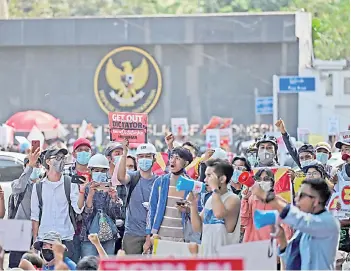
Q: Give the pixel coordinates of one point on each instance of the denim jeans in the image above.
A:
(88, 249)
(76, 249)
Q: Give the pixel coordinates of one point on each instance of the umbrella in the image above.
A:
(24, 121)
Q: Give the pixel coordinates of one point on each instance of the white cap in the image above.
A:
(98, 161)
(219, 154)
(145, 149)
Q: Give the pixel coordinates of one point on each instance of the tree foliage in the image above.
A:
(331, 28)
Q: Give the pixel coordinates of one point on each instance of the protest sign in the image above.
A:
(226, 136)
(180, 126)
(131, 126)
(213, 138)
(282, 186)
(345, 136)
(132, 263)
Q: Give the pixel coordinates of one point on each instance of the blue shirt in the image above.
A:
(136, 213)
(70, 264)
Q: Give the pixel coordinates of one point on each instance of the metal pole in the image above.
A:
(257, 116)
(275, 100)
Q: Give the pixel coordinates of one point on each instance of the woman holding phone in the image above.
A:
(102, 208)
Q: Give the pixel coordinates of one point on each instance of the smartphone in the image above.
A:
(35, 145)
(78, 179)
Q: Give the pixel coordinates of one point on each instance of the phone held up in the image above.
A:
(35, 145)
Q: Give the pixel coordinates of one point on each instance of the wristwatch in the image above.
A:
(269, 197)
(215, 190)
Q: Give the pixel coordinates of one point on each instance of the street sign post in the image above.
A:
(290, 84)
(264, 105)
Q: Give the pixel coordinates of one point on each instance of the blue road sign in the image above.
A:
(295, 84)
(264, 105)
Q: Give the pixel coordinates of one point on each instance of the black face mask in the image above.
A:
(47, 254)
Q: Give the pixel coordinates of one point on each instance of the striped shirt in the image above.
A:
(171, 227)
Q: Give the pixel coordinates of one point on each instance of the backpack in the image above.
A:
(133, 183)
(103, 226)
(13, 205)
(67, 186)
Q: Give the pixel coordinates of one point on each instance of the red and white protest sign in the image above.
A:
(125, 125)
(171, 264)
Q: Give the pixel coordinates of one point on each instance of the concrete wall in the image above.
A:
(210, 65)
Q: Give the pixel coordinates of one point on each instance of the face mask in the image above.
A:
(83, 157)
(58, 166)
(266, 186)
(322, 157)
(306, 163)
(99, 177)
(252, 160)
(145, 164)
(266, 158)
(116, 160)
(47, 254)
(236, 174)
(35, 173)
(345, 156)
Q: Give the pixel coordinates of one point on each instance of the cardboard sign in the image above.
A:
(282, 186)
(299, 177)
(131, 126)
(171, 264)
(180, 126)
(213, 138)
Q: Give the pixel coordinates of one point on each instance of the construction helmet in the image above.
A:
(146, 149)
(98, 161)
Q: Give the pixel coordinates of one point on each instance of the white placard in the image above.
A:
(6, 135)
(260, 255)
(83, 129)
(333, 126)
(227, 133)
(303, 134)
(98, 136)
(345, 136)
(213, 138)
(15, 235)
(180, 126)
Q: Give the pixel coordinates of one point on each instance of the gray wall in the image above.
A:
(210, 65)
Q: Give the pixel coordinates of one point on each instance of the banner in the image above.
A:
(282, 186)
(125, 125)
(180, 126)
(299, 177)
(259, 255)
(133, 263)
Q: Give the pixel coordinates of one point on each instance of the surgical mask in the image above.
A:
(322, 157)
(266, 186)
(83, 157)
(266, 158)
(35, 173)
(144, 164)
(236, 174)
(252, 160)
(47, 254)
(116, 160)
(99, 177)
(58, 166)
(306, 163)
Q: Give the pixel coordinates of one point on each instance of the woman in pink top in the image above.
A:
(250, 203)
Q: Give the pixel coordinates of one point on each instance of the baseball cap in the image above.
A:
(219, 154)
(111, 147)
(318, 166)
(307, 148)
(26, 160)
(323, 145)
(50, 237)
(53, 152)
(80, 142)
(145, 149)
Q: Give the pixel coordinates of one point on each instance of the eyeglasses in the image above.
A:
(58, 158)
(241, 168)
(264, 179)
(301, 195)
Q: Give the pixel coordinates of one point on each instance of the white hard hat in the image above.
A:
(219, 154)
(145, 149)
(98, 161)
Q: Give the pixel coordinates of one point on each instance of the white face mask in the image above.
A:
(266, 186)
